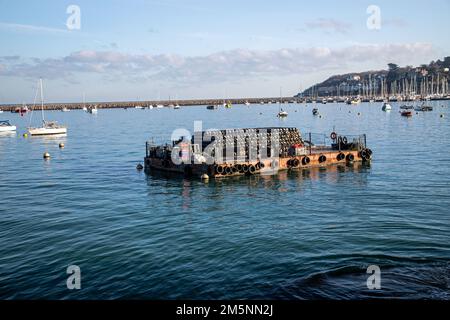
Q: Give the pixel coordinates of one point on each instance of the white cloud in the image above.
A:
(236, 65)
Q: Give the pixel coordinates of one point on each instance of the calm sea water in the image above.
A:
(297, 235)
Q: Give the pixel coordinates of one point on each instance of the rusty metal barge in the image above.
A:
(234, 152)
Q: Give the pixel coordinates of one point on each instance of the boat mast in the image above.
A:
(42, 100)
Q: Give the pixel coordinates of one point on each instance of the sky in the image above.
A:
(121, 50)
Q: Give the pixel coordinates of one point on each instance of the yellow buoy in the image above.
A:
(61, 145)
(46, 155)
(204, 177)
(25, 135)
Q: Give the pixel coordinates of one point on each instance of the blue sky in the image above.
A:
(127, 50)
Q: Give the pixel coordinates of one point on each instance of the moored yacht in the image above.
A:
(48, 127)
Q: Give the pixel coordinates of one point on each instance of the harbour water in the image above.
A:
(297, 235)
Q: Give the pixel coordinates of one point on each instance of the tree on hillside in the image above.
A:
(393, 72)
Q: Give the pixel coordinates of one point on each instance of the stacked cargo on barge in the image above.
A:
(233, 152)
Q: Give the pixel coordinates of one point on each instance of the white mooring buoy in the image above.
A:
(46, 155)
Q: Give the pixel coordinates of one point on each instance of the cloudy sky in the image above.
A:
(136, 49)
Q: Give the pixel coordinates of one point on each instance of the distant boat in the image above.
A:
(212, 107)
(315, 111)
(48, 127)
(324, 101)
(406, 107)
(176, 107)
(247, 103)
(139, 107)
(159, 106)
(150, 106)
(406, 113)
(65, 109)
(282, 114)
(21, 110)
(84, 102)
(1, 111)
(386, 107)
(6, 126)
(92, 110)
(424, 108)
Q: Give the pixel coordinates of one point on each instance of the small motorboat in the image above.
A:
(150, 107)
(159, 106)
(282, 114)
(212, 107)
(6, 126)
(424, 108)
(139, 107)
(315, 111)
(176, 107)
(386, 107)
(406, 113)
(92, 110)
(247, 103)
(65, 109)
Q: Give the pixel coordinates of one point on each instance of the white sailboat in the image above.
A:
(281, 112)
(48, 127)
(84, 102)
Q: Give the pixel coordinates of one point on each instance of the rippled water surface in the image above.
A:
(297, 235)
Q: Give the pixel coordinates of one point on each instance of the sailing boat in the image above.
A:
(84, 102)
(48, 127)
(176, 106)
(281, 112)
